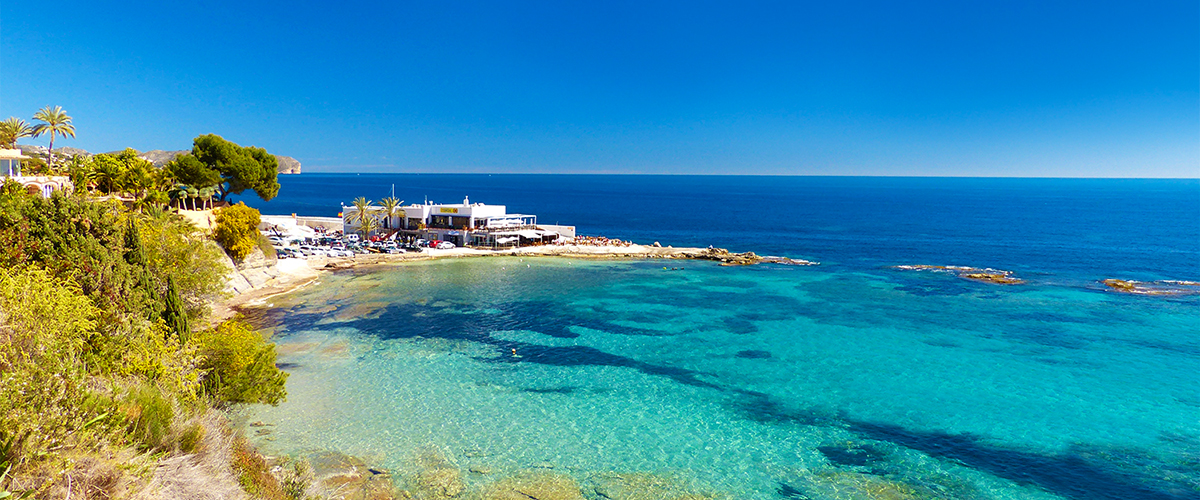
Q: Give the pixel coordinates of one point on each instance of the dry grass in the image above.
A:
(206, 473)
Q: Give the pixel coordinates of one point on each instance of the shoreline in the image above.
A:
(294, 274)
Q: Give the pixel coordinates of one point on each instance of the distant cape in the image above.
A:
(287, 164)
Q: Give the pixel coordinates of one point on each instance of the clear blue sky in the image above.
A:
(1093, 89)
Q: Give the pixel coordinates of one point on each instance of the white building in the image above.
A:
(466, 223)
(10, 168)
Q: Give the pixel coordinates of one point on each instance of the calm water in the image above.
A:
(842, 381)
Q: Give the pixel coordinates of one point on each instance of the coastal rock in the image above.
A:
(1003, 278)
(993, 276)
(1163, 287)
(1121, 285)
(288, 165)
(726, 258)
(537, 485)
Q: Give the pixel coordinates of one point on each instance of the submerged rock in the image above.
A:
(435, 478)
(843, 484)
(641, 486)
(536, 485)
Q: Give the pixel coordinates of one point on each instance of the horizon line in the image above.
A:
(748, 175)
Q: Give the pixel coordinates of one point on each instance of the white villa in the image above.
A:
(464, 224)
(45, 185)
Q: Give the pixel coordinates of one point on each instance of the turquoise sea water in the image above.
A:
(848, 380)
(753, 382)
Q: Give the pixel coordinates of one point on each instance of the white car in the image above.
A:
(445, 245)
(313, 251)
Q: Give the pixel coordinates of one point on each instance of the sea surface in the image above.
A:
(849, 380)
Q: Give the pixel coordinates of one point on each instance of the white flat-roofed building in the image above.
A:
(10, 168)
(463, 224)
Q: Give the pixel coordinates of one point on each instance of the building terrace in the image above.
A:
(464, 224)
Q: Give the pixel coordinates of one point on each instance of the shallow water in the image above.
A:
(759, 382)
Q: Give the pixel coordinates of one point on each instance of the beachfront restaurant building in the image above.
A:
(11, 162)
(464, 224)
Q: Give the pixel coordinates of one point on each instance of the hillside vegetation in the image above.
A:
(103, 383)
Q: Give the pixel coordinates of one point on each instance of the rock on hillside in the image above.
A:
(59, 152)
(159, 157)
(288, 165)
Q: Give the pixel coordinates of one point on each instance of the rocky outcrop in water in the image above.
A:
(1163, 287)
(727, 258)
(986, 275)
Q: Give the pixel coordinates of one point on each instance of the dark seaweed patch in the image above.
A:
(551, 390)
(739, 326)
(1068, 475)
(753, 354)
(1081, 476)
(787, 491)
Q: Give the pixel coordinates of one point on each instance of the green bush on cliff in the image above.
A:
(240, 365)
(92, 366)
(237, 230)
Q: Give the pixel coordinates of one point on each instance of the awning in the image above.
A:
(530, 234)
(506, 240)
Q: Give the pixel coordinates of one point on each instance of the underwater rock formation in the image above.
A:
(536, 485)
(640, 486)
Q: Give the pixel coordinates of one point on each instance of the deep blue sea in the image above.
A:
(847, 380)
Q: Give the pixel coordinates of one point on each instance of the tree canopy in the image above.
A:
(240, 168)
(55, 122)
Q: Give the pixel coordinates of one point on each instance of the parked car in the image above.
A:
(444, 245)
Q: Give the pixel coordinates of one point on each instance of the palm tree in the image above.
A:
(390, 206)
(12, 130)
(54, 121)
(360, 204)
(368, 224)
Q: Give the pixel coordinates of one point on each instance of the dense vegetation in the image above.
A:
(105, 366)
(215, 167)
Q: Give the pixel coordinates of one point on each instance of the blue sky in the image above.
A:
(1087, 89)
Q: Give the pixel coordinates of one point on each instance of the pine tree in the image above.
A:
(135, 255)
(175, 315)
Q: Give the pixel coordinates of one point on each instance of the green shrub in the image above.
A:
(240, 365)
(150, 414)
(237, 230)
(176, 248)
(191, 438)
